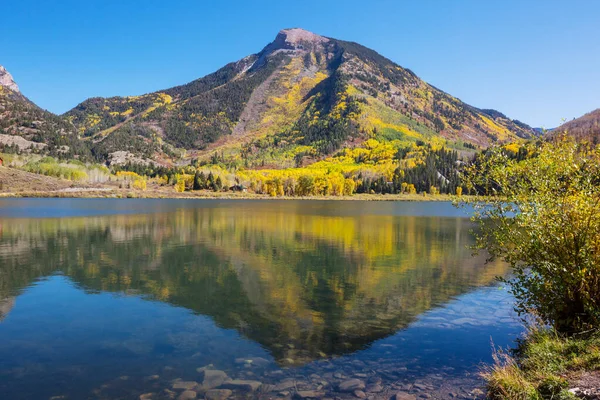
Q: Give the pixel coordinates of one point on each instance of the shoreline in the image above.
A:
(157, 194)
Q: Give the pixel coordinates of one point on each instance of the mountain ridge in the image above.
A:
(238, 101)
(586, 127)
(302, 98)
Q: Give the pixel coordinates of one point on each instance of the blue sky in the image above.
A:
(536, 61)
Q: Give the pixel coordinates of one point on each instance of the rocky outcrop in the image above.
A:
(295, 39)
(7, 80)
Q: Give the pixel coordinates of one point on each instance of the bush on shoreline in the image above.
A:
(542, 216)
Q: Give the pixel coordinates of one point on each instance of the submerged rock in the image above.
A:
(213, 378)
(404, 396)
(351, 385)
(376, 388)
(243, 385)
(187, 395)
(253, 361)
(309, 394)
(285, 385)
(205, 368)
(184, 385)
(218, 394)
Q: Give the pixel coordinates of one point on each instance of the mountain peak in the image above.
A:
(296, 39)
(7, 80)
(296, 36)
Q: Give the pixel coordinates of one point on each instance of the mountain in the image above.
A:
(300, 99)
(25, 126)
(586, 127)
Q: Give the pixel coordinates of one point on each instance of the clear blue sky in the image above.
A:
(536, 61)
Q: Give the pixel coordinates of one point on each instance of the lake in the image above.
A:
(117, 299)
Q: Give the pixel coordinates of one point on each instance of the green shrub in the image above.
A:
(552, 386)
(54, 169)
(542, 215)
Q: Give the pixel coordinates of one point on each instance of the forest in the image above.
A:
(376, 169)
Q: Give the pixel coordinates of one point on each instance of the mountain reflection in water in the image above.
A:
(99, 296)
(304, 286)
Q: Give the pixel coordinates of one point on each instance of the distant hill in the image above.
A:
(586, 127)
(300, 99)
(25, 126)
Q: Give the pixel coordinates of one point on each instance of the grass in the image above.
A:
(542, 366)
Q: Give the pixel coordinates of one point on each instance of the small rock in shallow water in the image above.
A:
(187, 395)
(351, 385)
(309, 394)
(404, 396)
(377, 388)
(255, 361)
(375, 380)
(152, 378)
(285, 384)
(238, 384)
(218, 394)
(213, 378)
(205, 368)
(265, 388)
(147, 396)
(276, 372)
(184, 385)
(360, 394)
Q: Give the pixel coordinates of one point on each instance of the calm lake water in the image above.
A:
(113, 299)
